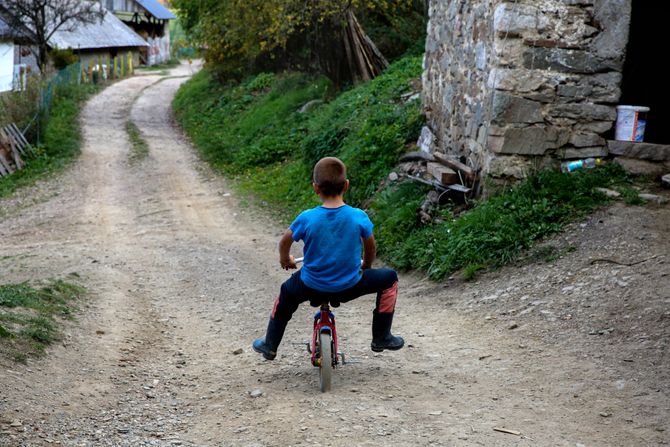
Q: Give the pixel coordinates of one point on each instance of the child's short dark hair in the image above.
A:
(330, 174)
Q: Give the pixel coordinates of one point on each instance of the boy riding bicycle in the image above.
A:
(332, 271)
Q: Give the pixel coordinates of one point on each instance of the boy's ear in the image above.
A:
(346, 186)
(317, 190)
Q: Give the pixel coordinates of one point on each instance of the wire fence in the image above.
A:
(93, 71)
(25, 112)
(66, 77)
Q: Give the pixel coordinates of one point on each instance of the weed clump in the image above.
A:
(29, 316)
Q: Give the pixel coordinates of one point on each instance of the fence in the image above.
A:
(30, 106)
(93, 71)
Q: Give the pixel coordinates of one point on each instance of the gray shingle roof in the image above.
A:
(156, 9)
(112, 32)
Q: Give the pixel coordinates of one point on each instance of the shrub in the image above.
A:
(62, 58)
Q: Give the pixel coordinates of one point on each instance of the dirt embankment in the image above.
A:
(181, 278)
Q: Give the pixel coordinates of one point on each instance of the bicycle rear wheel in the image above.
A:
(326, 368)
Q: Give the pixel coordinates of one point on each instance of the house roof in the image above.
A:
(157, 10)
(109, 33)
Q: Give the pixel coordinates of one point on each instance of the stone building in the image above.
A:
(509, 86)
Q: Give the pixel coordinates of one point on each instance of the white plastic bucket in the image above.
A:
(630, 123)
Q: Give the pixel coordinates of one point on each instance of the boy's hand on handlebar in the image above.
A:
(289, 263)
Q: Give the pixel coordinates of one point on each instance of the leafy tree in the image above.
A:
(321, 34)
(45, 17)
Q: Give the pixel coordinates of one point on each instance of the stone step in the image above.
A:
(640, 151)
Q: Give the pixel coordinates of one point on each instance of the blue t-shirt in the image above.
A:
(332, 238)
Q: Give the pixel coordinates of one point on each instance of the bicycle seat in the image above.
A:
(333, 303)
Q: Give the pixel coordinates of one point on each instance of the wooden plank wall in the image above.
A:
(13, 146)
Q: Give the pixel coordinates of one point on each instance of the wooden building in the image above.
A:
(151, 20)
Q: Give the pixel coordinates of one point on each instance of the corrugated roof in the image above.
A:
(109, 33)
(157, 10)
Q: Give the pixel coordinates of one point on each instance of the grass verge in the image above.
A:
(30, 316)
(495, 231)
(62, 141)
(255, 133)
(139, 149)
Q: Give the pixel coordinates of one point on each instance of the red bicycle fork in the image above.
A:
(324, 321)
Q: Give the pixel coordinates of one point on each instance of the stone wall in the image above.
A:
(456, 96)
(514, 85)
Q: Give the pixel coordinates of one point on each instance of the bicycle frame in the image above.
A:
(324, 321)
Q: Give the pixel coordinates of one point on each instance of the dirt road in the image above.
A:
(182, 278)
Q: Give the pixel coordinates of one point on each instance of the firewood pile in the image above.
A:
(13, 145)
(450, 179)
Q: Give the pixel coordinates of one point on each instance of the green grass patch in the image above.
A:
(61, 141)
(139, 149)
(30, 315)
(495, 231)
(254, 132)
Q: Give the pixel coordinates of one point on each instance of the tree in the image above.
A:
(323, 33)
(45, 17)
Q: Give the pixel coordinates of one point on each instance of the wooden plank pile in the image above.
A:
(441, 171)
(450, 179)
(13, 145)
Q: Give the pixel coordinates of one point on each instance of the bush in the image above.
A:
(62, 58)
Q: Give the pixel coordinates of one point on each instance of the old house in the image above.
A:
(151, 20)
(12, 72)
(514, 85)
(103, 39)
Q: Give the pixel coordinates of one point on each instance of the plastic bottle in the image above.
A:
(588, 163)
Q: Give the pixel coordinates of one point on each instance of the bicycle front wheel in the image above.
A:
(326, 368)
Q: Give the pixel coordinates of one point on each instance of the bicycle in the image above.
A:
(324, 346)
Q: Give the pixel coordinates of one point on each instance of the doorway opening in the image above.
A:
(645, 82)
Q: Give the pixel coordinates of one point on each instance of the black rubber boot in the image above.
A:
(381, 333)
(268, 345)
